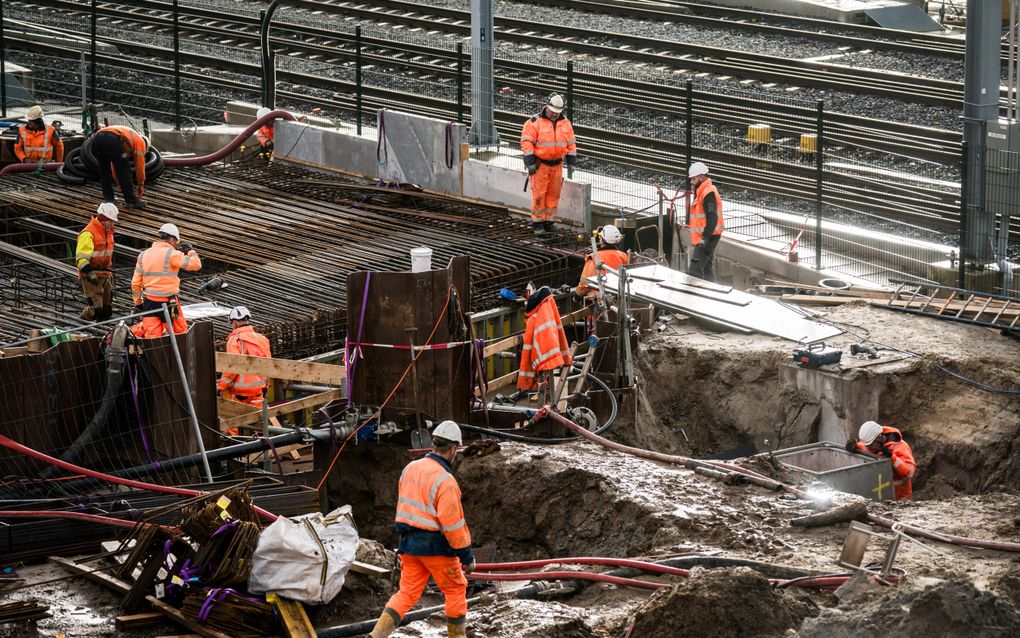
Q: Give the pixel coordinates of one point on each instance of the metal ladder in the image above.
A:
(965, 306)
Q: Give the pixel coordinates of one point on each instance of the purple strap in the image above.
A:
(138, 412)
(354, 354)
(224, 527)
(216, 595)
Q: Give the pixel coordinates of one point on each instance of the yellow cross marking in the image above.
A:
(881, 485)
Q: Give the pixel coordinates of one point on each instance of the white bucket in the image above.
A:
(421, 259)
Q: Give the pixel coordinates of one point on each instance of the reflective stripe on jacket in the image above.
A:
(903, 464)
(156, 273)
(429, 500)
(245, 340)
(95, 246)
(698, 220)
(545, 344)
(609, 257)
(42, 145)
(134, 148)
(546, 139)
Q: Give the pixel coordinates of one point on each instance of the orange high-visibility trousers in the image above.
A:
(152, 326)
(414, 575)
(546, 185)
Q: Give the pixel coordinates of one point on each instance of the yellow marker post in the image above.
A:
(881, 486)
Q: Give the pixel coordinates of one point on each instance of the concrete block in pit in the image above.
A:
(325, 149)
(200, 141)
(829, 463)
(502, 185)
(420, 150)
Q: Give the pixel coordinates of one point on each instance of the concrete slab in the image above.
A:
(420, 150)
(504, 185)
(200, 141)
(325, 149)
(839, 10)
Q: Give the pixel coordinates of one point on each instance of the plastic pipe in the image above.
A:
(29, 167)
(232, 146)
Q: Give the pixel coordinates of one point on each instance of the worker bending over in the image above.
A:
(115, 149)
(706, 222)
(545, 344)
(245, 388)
(434, 537)
(888, 442)
(546, 140)
(37, 140)
(94, 258)
(608, 256)
(157, 281)
(265, 134)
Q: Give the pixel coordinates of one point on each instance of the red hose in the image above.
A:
(587, 560)
(1004, 546)
(28, 167)
(237, 141)
(81, 516)
(17, 447)
(597, 578)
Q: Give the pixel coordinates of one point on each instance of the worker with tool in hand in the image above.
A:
(157, 281)
(115, 149)
(706, 222)
(434, 537)
(37, 140)
(547, 139)
(94, 258)
(245, 388)
(888, 442)
(265, 134)
(608, 256)
(545, 344)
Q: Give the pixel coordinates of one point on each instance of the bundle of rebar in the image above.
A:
(30, 609)
(231, 612)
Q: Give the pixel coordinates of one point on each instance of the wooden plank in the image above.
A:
(370, 570)
(287, 449)
(288, 369)
(503, 381)
(227, 409)
(819, 300)
(293, 617)
(120, 586)
(917, 305)
(138, 621)
(297, 405)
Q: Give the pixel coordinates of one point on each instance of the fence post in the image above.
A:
(169, 325)
(92, 54)
(3, 65)
(961, 276)
(177, 69)
(357, 76)
(688, 128)
(570, 90)
(819, 146)
(460, 82)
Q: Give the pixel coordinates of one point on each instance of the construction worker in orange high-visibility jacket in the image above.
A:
(545, 344)
(547, 140)
(157, 281)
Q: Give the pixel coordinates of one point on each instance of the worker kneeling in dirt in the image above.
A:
(434, 537)
(608, 256)
(888, 442)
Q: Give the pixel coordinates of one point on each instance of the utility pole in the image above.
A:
(483, 128)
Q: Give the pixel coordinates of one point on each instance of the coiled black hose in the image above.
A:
(81, 165)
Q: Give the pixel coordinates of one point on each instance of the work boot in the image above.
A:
(456, 627)
(538, 227)
(548, 226)
(136, 203)
(386, 624)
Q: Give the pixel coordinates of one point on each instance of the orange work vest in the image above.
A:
(698, 220)
(608, 257)
(264, 134)
(102, 252)
(548, 140)
(36, 146)
(903, 464)
(157, 271)
(245, 340)
(429, 499)
(134, 147)
(545, 344)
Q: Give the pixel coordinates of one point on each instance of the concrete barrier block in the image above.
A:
(505, 186)
(417, 149)
(325, 149)
(200, 141)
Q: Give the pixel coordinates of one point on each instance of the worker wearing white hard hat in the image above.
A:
(887, 442)
(547, 141)
(93, 255)
(156, 283)
(37, 140)
(706, 222)
(434, 537)
(265, 134)
(609, 258)
(244, 340)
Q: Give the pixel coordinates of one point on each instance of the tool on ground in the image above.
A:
(856, 349)
(856, 542)
(817, 354)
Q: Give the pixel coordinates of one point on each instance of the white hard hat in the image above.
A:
(555, 103)
(237, 313)
(170, 229)
(869, 432)
(34, 113)
(611, 234)
(262, 112)
(697, 168)
(108, 210)
(448, 430)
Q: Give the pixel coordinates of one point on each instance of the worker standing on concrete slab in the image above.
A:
(547, 139)
(608, 256)
(245, 388)
(888, 442)
(94, 258)
(37, 140)
(115, 148)
(264, 135)
(706, 222)
(434, 536)
(157, 281)
(545, 343)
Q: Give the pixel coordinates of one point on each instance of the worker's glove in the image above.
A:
(92, 277)
(571, 160)
(531, 162)
(138, 309)
(851, 445)
(186, 247)
(470, 567)
(578, 299)
(882, 451)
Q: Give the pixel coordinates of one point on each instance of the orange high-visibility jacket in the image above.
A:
(429, 499)
(245, 340)
(95, 247)
(698, 220)
(545, 344)
(134, 146)
(903, 465)
(548, 140)
(264, 134)
(608, 257)
(156, 273)
(42, 145)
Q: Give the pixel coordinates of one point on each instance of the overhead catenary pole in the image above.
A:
(357, 79)
(169, 323)
(483, 127)
(92, 54)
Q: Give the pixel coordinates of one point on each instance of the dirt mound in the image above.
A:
(531, 619)
(947, 609)
(721, 603)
